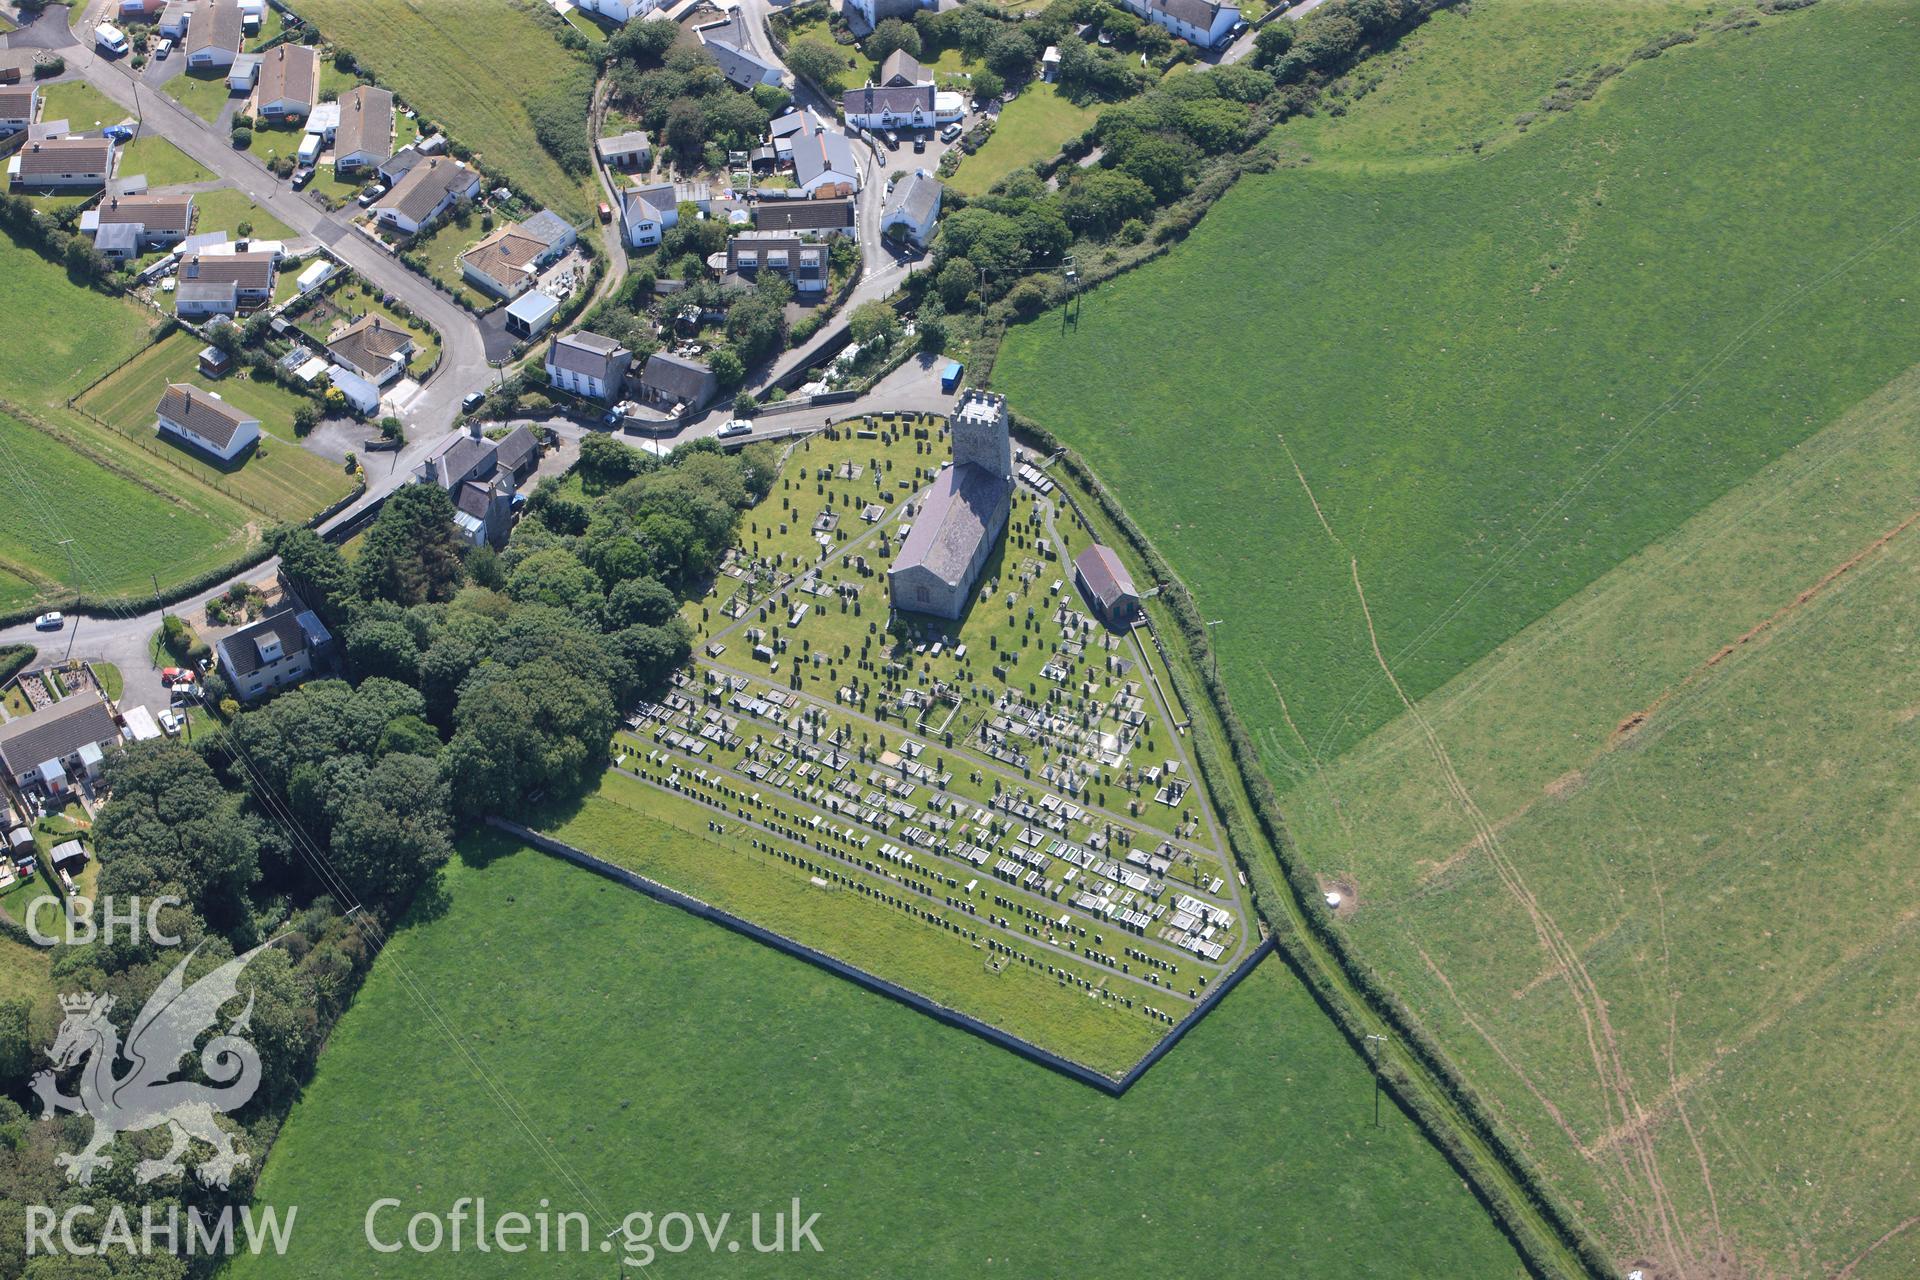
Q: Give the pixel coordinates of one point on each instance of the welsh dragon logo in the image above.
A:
(146, 1097)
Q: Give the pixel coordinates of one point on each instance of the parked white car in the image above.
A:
(738, 427)
(50, 621)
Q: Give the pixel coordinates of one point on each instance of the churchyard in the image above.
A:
(1014, 780)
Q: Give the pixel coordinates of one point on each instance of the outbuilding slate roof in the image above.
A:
(804, 215)
(900, 99)
(203, 413)
(1104, 575)
(515, 448)
(676, 376)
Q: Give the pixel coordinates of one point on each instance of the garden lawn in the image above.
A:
(1500, 376)
(473, 77)
(1031, 127)
(667, 1064)
(203, 93)
(227, 208)
(279, 478)
(442, 248)
(164, 164)
(81, 105)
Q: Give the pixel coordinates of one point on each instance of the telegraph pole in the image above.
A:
(1376, 1078)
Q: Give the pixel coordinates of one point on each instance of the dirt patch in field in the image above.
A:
(1567, 784)
(1349, 896)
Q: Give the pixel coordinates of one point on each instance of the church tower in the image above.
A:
(980, 433)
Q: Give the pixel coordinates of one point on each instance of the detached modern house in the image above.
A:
(278, 650)
(213, 35)
(509, 261)
(823, 157)
(732, 50)
(141, 222)
(588, 364)
(364, 136)
(647, 212)
(429, 189)
(914, 207)
(288, 83)
(801, 262)
(69, 164)
(1201, 22)
(374, 348)
(57, 747)
(223, 283)
(619, 10)
(205, 421)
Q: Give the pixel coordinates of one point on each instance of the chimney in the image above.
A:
(473, 428)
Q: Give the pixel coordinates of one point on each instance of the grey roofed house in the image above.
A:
(957, 516)
(288, 630)
(402, 162)
(290, 72)
(53, 157)
(788, 124)
(915, 198)
(1104, 577)
(202, 413)
(1195, 13)
(366, 122)
(56, 732)
(515, 450)
(742, 66)
(817, 154)
(804, 215)
(671, 379)
(872, 100)
(73, 725)
(370, 346)
(468, 457)
(16, 101)
(420, 192)
(548, 227)
(245, 271)
(651, 203)
(585, 353)
(902, 68)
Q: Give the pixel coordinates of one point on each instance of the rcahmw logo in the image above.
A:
(80, 927)
(179, 1234)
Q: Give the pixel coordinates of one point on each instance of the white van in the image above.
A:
(110, 38)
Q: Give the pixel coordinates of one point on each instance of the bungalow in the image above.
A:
(66, 163)
(213, 36)
(732, 51)
(428, 190)
(508, 262)
(365, 133)
(1201, 22)
(881, 107)
(629, 150)
(802, 263)
(18, 106)
(914, 207)
(588, 364)
(373, 347)
(152, 222)
(401, 163)
(278, 650)
(676, 384)
(362, 395)
(289, 80)
(205, 421)
(201, 299)
(619, 10)
(52, 747)
(250, 274)
(805, 217)
(647, 212)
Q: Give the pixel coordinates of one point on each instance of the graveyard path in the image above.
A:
(984, 924)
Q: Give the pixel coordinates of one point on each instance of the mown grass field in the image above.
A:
(1501, 376)
(1700, 772)
(470, 72)
(1031, 127)
(674, 1065)
(278, 478)
(202, 92)
(132, 514)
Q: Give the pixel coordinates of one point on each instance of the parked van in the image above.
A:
(310, 148)
(110, 38)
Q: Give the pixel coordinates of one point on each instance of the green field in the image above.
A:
(672, 1065)
(1500, 376)
(472, 77)
(1031, 127)
(133, 507)
(81, 105)
(1700, 768)
(279, 478)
